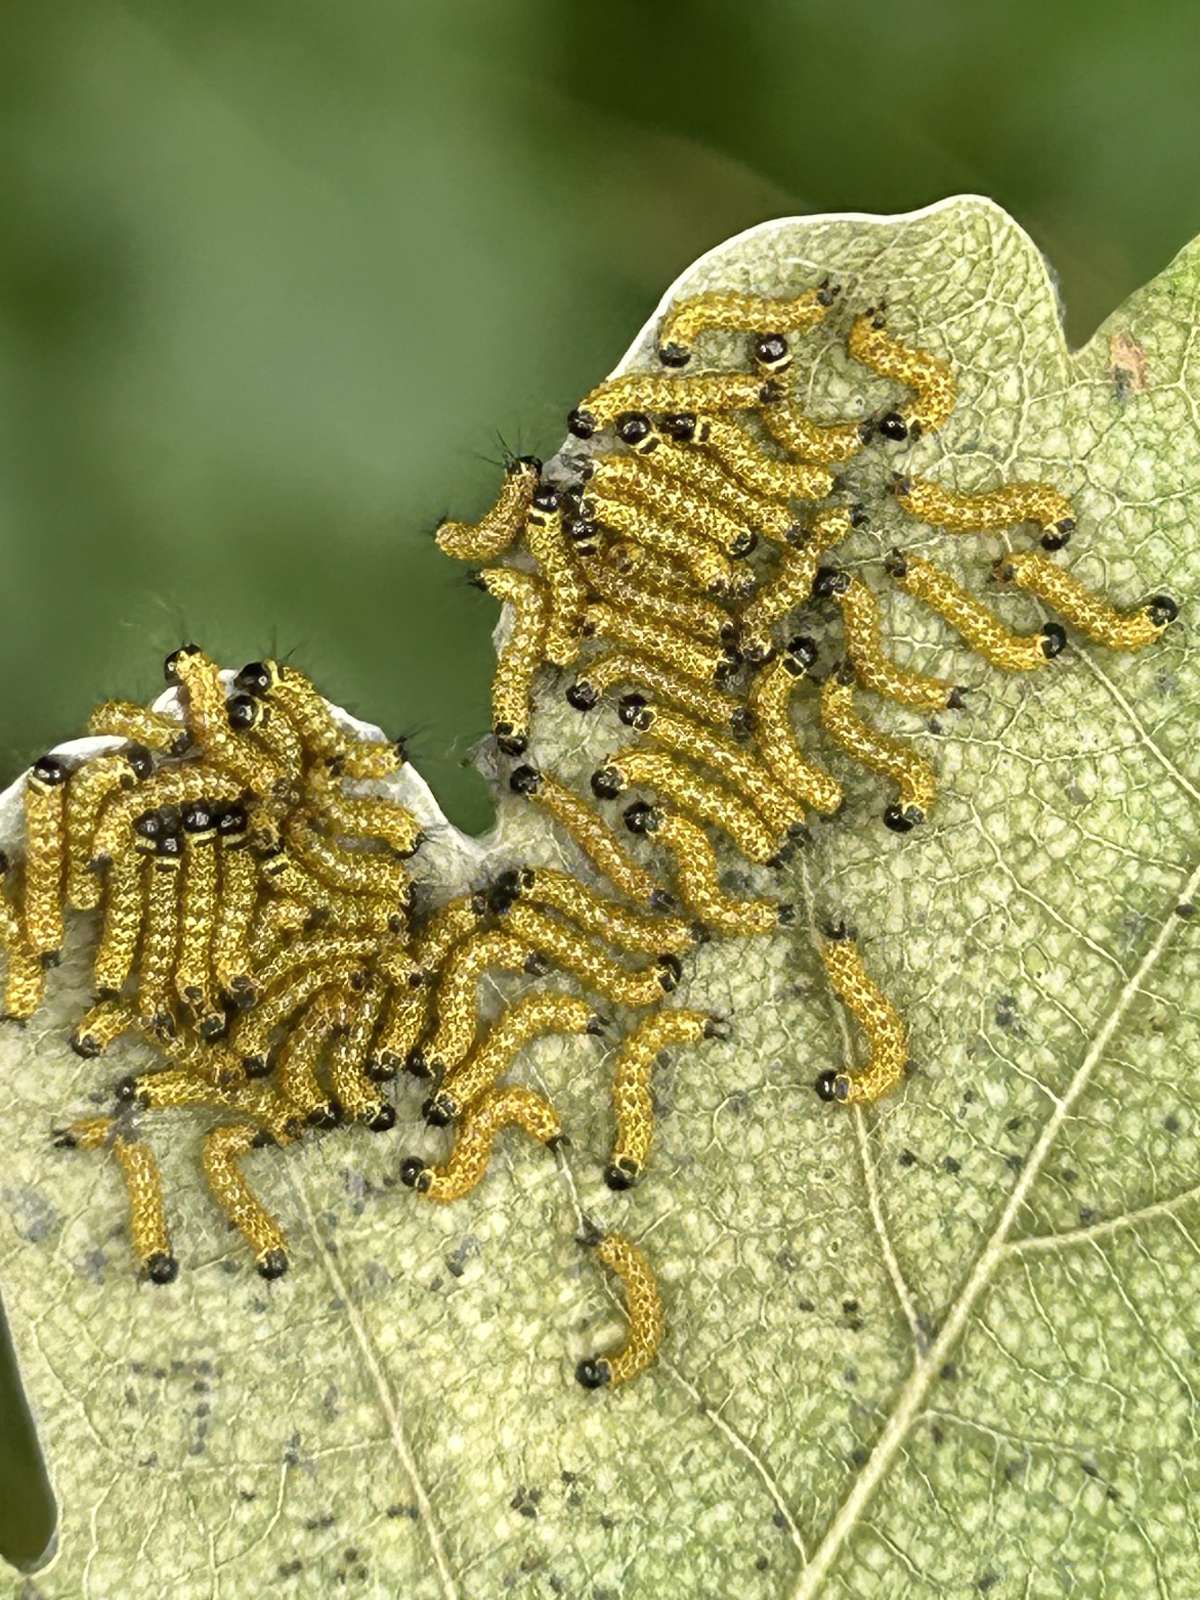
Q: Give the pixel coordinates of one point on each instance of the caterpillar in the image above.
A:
(874, 1013)
(353, 1089)
(251, 1033)
(592, 834)
(169, 788)
(197, 922)
(643, 598)
(740, 313)
(740, 456)
(309, 950)
(709, 567)
(409, 1004)
(761, 513)
(89, 788)
(691, 658)
(208, 719)
(697, 878)
(519, 1024)
(567, 948)
(895, 759)
(547, 544)
(873, 667)
(406, 1014)
(342, 910)
(980, 627)
(368, 816)
(100, 1026)
(498, 527)
(123, 906)
(455, 1001)
(703, 701)
(351, 871)
(793, 585)
(632, 477)
(25, 980)
(636, 931)
(699, 797)
(769, 701)
(223, 1149)
(45, 858)
(154, 730)
(644, 1308)
(160, 937)
(238, 873)
(143, 1188)
(300, 1054)
(633, 1108)
(730, 761)
(371, 760)
(478, 1127)
(824, 444)
(304, 708)
(1012, 503)
(520, 655)
(935, 391)
(248, 714)
(1083, 609)
(713, 391)
(446, 927)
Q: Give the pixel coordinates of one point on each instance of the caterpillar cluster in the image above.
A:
(257, 923)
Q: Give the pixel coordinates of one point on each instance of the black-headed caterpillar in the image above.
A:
(500, 525)
(792, 585)
(985, 632)
(353, 1088)
(692, 658)
(634, 477)
(697, 877)
(170, 787)
(25, 978)
(892, 757)
(761, 513)
(703, 701)
(194, 979)
(875, 669)
(124, 903)
(932, 380)
(1006, 507)
(239, 887)
(292, 693)
(455, 1001)
(90, 786)
(101, 1025)
(248, 714)
(125, 719)
(734, 312)
(208, 720)
(684, 613)
(510, 1106)
(352, 871)
(730, 761)
(633, 1108)
(547, 544)
(317, 949)
(223, 1149)
(567, 948)
(636, 931)
(160, 934)
(143, 1188)
(520, 655)
(713, 391)
(738, 453)
(824, 444)
(251, 1034)
(643, 1307)
(45, 857)
(1085, 610)
(710, 568)
(700, 797)
(368, 816)
(531, 1017)
(769, 702)
(592, 834)
(296, 1076)
(874, 1013)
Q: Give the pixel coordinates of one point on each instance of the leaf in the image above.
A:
(945, 1347)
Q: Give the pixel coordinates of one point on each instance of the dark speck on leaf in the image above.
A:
(1014, 1162)
(860, 1455)
(1087, 1215)
(849, 1307)
(949, 1372)
(788, 1260)
(906, 1158)
(606, 1522)
(950, 1165)
(1171, 1122)
(937, 1433)
(1006, 1011)
(1014, 1124)
(779, 1519)
(1112, 1492)
(761, 1564)
(1069, 1175)
(314, 1524)
(403, 1511)
(1186, 909)
(247, 1495)
(1090, 1467)
(289, 1569)
(569, 1477)
(986, 1581)
(805, 1305)
(850, 1375)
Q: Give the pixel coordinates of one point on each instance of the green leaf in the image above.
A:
(941, 1348)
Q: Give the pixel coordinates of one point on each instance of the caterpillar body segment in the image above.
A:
(734, 312)
(682, 787)
(742, 457)
(701, 701)
(296, 1069)
(644, 1309)
(238, 882)
(708, 392)
(1006, 507)
(268, 727)
(372, 760)
(363, 816)
(160, 936)
(102, 1025)
(769, 702)
(310, 950)
(520, 655)
(987, 634)
(349, 871)
(501, 524)
(405, 1019)
(875, 1014)
(697, 876)
(874, 668)
(481, 1122)
(224, 1149)
(568, 949)
(446, 927)
(194, 979)
(592, 834)
(250, 1036)
(25, 975)
(532, 1017)
(638, 932)
(935, 390)
(124, 902)
(1085, 610)
(633, 1108)
(147, 1209)
(893, 758)
(355, 1093)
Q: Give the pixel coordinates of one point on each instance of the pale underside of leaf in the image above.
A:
(944, 1347)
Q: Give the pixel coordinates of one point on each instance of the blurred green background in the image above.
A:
(276, 279)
